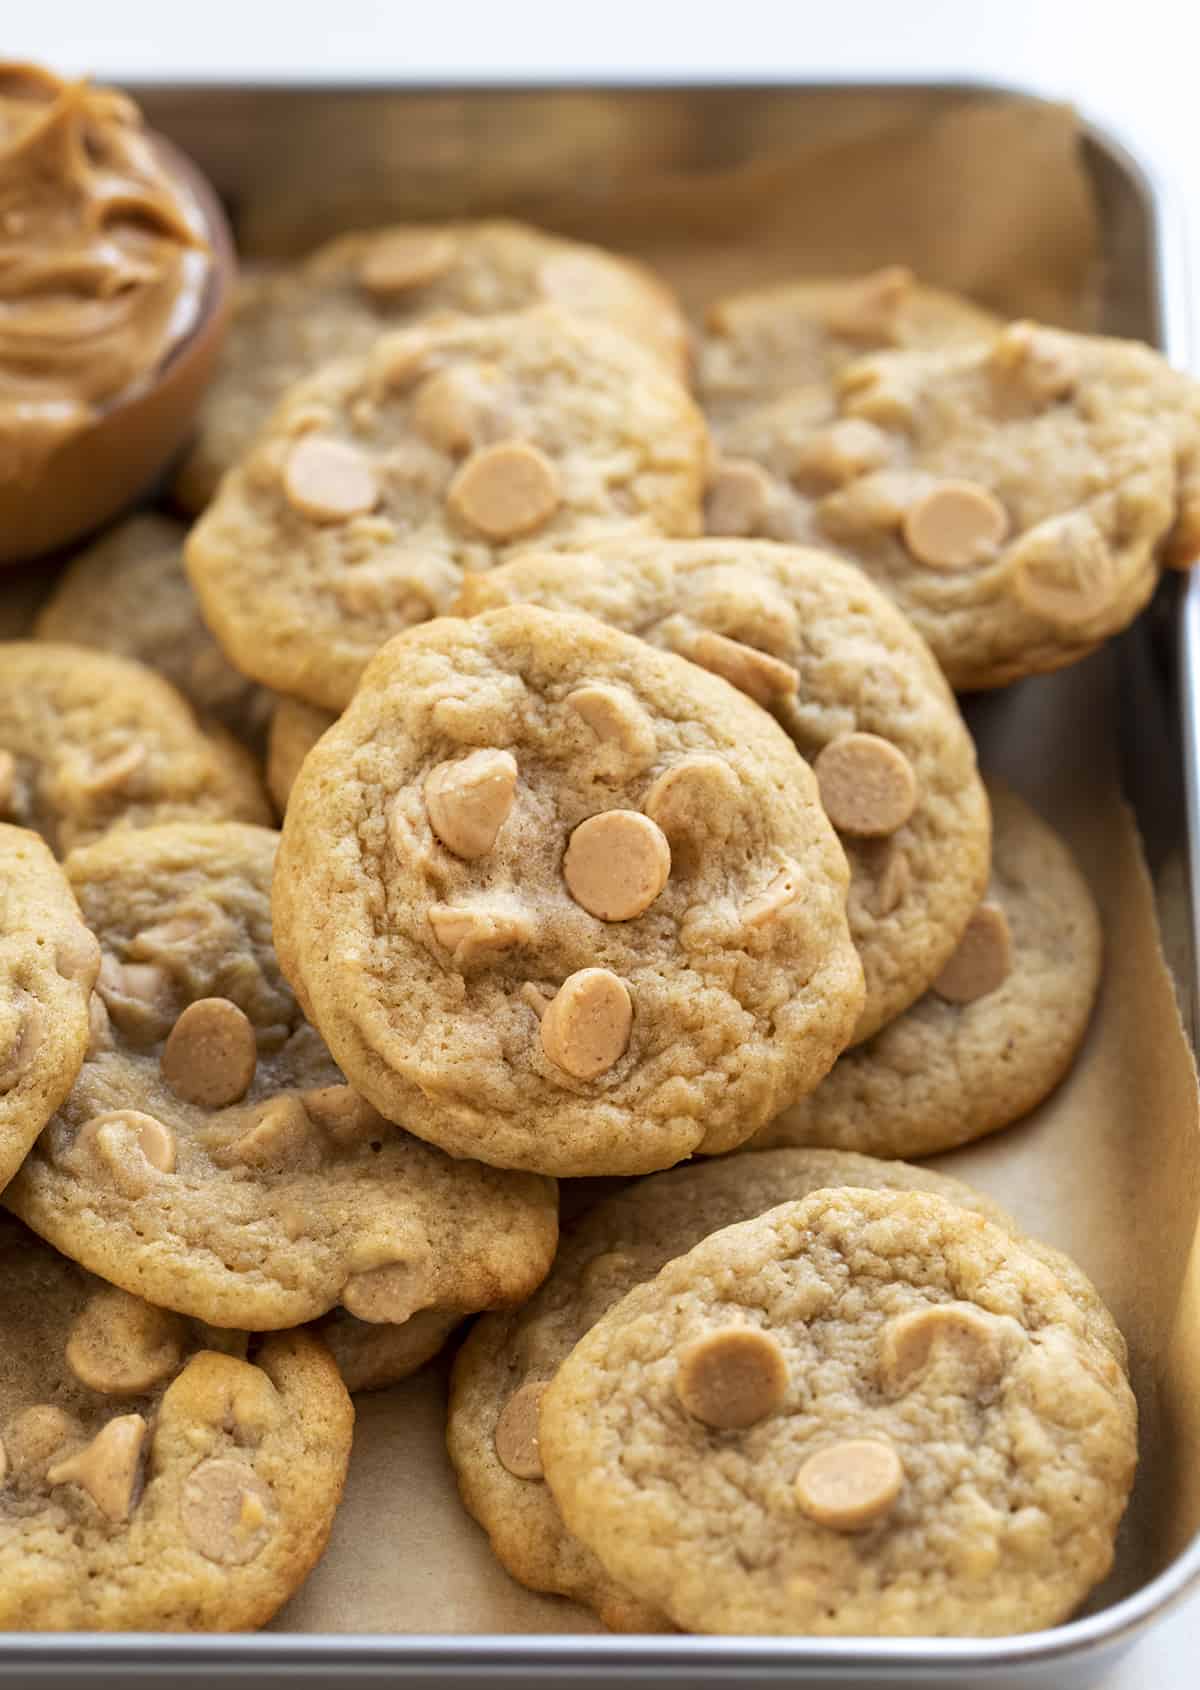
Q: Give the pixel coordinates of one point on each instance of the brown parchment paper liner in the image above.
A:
(989, 198)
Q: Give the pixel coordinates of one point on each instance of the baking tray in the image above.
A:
(294, 163)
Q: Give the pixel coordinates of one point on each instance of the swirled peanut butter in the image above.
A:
(103, 261)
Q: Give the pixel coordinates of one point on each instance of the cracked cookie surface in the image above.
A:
(507, 1361)
(89, 742)
(1016, 496)
(380, 480)
(996, 1032)
(210, 1157)
(816, 643)
(866, 1413)
(562, 901)
(348, 292)
(158, 1475)
(48, 966)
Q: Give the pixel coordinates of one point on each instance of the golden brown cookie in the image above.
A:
(159, 1475)
(295, 729)
(48, 965)
(869, 1413)
(210, 1156)
(95, 742)
(128, 593)
(816, 643)
(1015, 495)
(287, 320)
(998, 1029)
(562, 901)
(508, 1360)
(383, 478)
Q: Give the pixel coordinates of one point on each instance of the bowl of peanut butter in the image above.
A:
(116, 277)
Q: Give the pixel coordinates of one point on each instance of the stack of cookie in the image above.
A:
(630, 818)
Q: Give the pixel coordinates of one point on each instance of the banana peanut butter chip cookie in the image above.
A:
(443, 449)
(210, 1156)
(1015, 495)
(505, 1366)
(999, 1027)
(765, 343)
(812, 640)
(48, 964)
(562, 901)
(295, 729)
(128, 593)
(349, 292)
(157, 1475)
(865, 1413)
(90, 742)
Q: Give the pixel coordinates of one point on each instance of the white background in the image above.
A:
(1131, 64)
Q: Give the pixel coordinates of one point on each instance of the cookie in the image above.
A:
(89, 742)
(817, 644)
(160, 1475)
(562, 901)
(48, 964)
(998, 1030)
(127, 593)
(382, 479)
(869, 1413)
(346, 294)
(508, 1359)
(1015, 496)
(22, 591)
(295, 729)
(210, 1157)
(371, 1355)
(764, 343)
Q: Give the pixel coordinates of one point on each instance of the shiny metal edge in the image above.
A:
(698, 1661)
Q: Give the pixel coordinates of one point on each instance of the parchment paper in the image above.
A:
(994, 201)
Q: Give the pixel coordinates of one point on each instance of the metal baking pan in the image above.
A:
(296, 163)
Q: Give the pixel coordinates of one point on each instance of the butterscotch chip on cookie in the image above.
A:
(89, 742)
(504, 1368)
(346, 294)
(564, 902)
(442, 449)
(816, 643)
(159, 1475)
(127, 593)
(948, 1451)
(1015, 494)
(764, 343)
(998, 1028)
(210, 1156)
(48, 965)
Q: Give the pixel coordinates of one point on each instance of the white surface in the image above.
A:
(1130, 64)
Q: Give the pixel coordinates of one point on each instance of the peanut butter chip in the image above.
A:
(760, 676)
(616, 864)
(77, 956)
(138, 997)
(954, 525)
(411, 258)
(452, 406)
(328, 481)
(783, 890)
(115, 773)
(586, 1026)
(869, 309)
(210, 1054)
(893, 884)
(983, 960)
(468, 800)
(107, 1468)
(850, 1485)
(738, 496)
(131, 1145)
(471, 930)
(122, 1346)
(339, 1111)
(909, 1342)
(505, 490)
(842, 452)
(1064, 570)
(392, 1293)
(733, 1378)
(615, 718)
(228, 1512)
(1044, 363)
(693, 796)
(277, 1139)
(517, 1432)
(867, 785)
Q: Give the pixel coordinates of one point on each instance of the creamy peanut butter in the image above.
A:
(104, 260)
